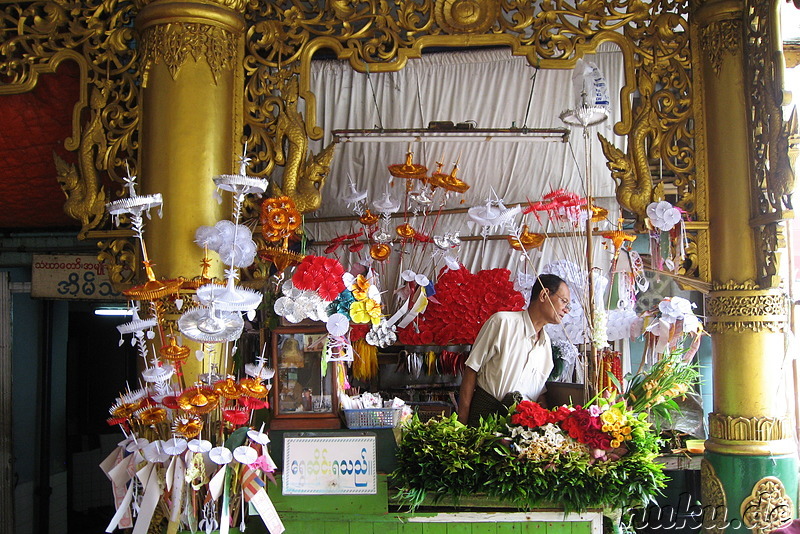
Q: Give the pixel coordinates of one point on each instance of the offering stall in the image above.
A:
(328, 390)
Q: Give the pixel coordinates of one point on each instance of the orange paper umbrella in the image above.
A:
(282, 258)
(198, 400)
(598, 213)
(409, 169)
(253, 388)
(154, 289)
(618, 238)
(450, 182)
(380, 251)
(527, 240)
(174, 352)
(152, 415)
(124, 409)
(228, 388)
(405, 231)
(368, 218)
(188, 426)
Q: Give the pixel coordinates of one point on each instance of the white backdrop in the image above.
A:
(491, 88)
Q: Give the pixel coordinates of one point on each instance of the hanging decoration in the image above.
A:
(171, 427)
(663, 217)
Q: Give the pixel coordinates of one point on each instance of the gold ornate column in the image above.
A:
(749, 447)
(191, 53)
(191, 119)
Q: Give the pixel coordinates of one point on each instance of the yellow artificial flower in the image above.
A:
(358, 312)
(615, 443)
(373, 309)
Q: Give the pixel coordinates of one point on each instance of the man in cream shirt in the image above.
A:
(511, 357)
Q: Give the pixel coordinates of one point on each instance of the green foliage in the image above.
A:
(654, 390)
(443, 458)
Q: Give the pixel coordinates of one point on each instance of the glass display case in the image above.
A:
(303, 394)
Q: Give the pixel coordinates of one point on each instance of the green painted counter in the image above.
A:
(376, 514)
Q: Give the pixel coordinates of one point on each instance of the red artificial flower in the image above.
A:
(329, 289)
(530, 414)
(359, 331)
(559, 414)
(316, 271)
(253, 403)
(236, 417)
(584, 427)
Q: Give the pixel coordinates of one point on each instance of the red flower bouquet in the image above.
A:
(463, 302)
(320, 274)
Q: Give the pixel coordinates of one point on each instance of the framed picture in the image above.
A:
(303, 394)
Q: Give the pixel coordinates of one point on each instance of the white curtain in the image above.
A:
(492, 88)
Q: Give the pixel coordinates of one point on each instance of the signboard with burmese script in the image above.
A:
(329, 464)
(71, 276)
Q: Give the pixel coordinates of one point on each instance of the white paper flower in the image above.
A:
(663, 215)
(207, 236)
(619, 324)
(338, 324)
(382, 334)
(239, 253)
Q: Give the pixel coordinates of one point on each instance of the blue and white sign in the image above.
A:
(329, 465)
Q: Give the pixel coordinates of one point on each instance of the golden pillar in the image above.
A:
(191, 120)
(749, 453)
(191, 53)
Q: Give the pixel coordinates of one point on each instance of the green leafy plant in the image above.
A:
(655, 389)
(511, 461)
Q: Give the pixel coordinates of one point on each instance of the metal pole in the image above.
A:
(591, 381)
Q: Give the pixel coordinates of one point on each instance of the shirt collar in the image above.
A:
(530, 332)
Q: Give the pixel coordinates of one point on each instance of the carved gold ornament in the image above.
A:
(712, 495)
(767, 507)
(379, 37)
(772, 174)
(174, 44)
(732, 428)
(116, 43)
(720, 38)
(740, 307)
(466, 16)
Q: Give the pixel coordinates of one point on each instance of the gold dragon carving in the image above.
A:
(99, 36)
(304, 173)
(86, 197)
(631, 171)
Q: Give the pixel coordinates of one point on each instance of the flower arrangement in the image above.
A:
(655, 389)
(577, 457)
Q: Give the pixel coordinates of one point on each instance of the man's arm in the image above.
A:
(469, 378)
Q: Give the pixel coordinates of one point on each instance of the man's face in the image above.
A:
(560, 301)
